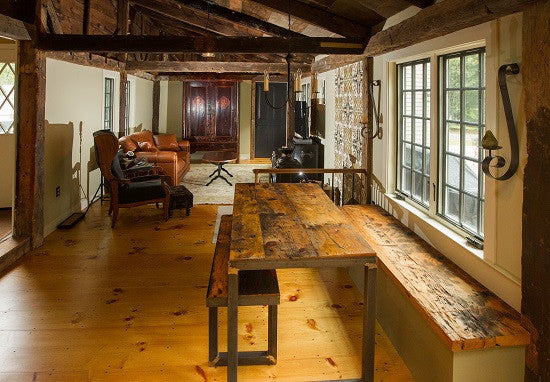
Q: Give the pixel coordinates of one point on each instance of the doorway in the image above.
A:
(270, 120)
(8, 72)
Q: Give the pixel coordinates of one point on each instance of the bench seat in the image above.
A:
(256, 287)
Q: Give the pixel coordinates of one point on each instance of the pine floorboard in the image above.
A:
(96, 304)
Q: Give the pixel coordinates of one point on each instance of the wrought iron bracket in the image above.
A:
(512, 132)
(366, 131)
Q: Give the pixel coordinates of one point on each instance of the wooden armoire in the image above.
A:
(211, 115)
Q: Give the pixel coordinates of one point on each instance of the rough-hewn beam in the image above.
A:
(212, 67)
(123, 16)
(15, 29)
(535, 259)
(156, 106)
(122, 97)
(334, 61)
(324, 19)
(421, 3)
(440, 19)
(86, 17)
(181, 44)
(52, 14)
(31, 101)
(195, 12)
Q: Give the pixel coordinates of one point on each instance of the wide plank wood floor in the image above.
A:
(96, 304)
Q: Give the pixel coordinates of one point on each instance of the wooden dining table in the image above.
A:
(289, 225)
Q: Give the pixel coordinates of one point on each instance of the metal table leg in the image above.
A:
(369, 322)
(232, 324)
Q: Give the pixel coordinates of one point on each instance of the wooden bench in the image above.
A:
(255, 288)
(463, 313)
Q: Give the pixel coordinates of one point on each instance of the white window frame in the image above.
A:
(112, 124)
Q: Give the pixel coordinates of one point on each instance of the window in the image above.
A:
(108, 106)
(459, 198)
(462, 126)
(127, 111)
(7, 97)
(414, 131)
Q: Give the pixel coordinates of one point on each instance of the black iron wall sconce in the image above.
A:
(366, 131)
(489, 142)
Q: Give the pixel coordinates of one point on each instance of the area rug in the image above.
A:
(219, 192)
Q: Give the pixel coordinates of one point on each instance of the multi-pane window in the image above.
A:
(462, 101)
(127, 111)
(7, 97)
(108, 105)
(414, 130)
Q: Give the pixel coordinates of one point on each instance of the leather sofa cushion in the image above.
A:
(128, 144)
(143, 136)
(166, 142)
(146, 146)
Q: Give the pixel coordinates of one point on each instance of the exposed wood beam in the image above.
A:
(213, 67)
(123, 16)
(31, 101)
(86, 17)
(421, 3)
(334, 61)
(122, 97)
(52, 13)
(323, 18)
(440, 19)
(195, 13)
(15, 29)
(535, 258)
(156, 107)
(181, 44)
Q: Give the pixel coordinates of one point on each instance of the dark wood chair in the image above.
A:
(125, 192)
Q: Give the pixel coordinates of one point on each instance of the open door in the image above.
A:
(270, 131)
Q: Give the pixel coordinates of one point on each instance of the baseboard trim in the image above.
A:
(244, 156)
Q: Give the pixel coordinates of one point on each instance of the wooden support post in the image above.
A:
(313, 108)
(122, 104)
(29, 188)
(367, 154)
(535, 261)
(290, 128)
(86, 17)
(156, 106)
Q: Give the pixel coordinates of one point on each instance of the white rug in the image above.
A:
(219, 192)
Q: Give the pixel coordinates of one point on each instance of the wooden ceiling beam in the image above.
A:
(214, 67)
(181, 44)
(441, 19)
(15, 29)
(421, 3)
(322, 18)
(196, 12)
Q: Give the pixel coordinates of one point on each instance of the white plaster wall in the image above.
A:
(245, 118)
(141, 104)
(174, 124)
(74, 101)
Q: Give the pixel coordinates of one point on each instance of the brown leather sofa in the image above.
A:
(163, 150)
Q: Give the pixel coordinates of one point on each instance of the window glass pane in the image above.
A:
(469, 212)
(427, 113)
(426, 161)
(426, 189)
(471, 69)
(406, 180)
(471, 141)
(452, 169)
(407, 129)
(417, 189)
(471, 106)
(407, 154)
(407, 78)
(417, 158)
(453, 105)
(453, 138)
(418, 131)
(419, 104)
(471, 173)
(453, 72)
(419, 76)
(463, 97)
(427, 127)
(451, 203)
(407, 103)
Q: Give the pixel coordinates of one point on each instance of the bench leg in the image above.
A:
(369, 322)
(272, 333)
(212, 335)
(232, 326)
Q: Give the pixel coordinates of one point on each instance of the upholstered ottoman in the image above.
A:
(180, 197)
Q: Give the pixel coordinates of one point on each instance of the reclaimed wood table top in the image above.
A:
(218, 157)
(289, 225)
